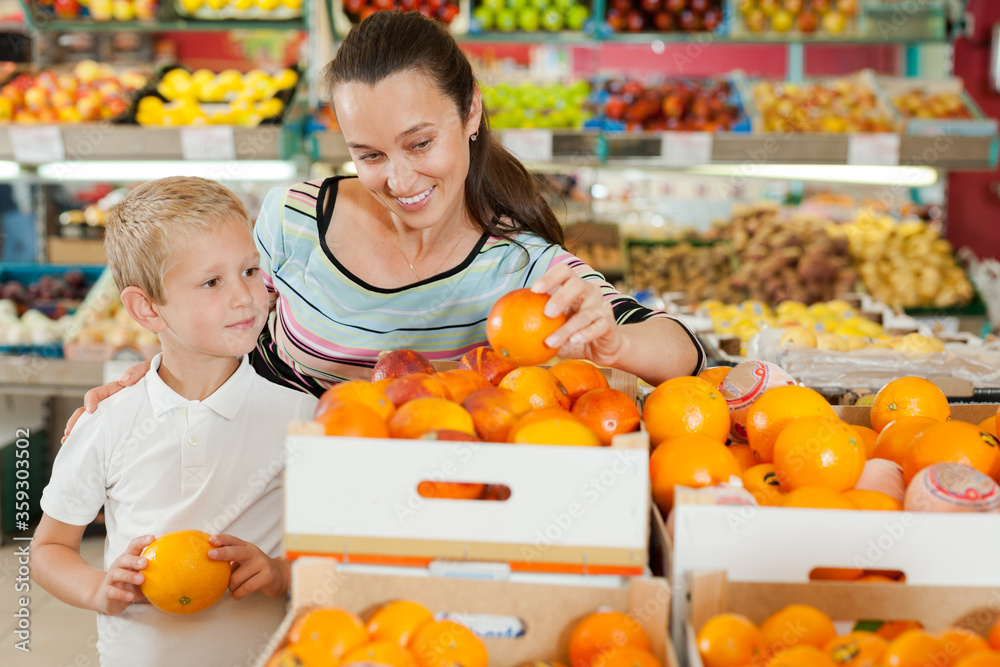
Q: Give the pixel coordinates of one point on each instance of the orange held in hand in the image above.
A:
(517, 328)
(180, 578)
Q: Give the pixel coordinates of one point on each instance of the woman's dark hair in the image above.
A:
(498, 187)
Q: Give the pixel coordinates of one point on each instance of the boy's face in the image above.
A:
(216, 301)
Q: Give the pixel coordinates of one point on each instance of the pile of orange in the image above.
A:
(401, 633)
(803, 636)
(524, 404)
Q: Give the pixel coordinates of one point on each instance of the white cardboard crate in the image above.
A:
(571, 509)
(783, 545)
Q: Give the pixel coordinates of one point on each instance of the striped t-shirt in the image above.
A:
(329, 326)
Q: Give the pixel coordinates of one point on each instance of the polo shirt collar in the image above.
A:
(225, 401)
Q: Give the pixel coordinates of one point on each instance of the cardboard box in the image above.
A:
(547, 613)
(937, 607)
(570, 510)
(783, 545)
(76, 251)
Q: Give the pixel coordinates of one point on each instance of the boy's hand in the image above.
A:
(253, 570)
(120, 587)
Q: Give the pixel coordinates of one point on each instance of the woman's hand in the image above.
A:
(253, 570)
(590, 332)
(95, 396)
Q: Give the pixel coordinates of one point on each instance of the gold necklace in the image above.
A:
(410, 264)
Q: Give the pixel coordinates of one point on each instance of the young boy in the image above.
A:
(196, 444)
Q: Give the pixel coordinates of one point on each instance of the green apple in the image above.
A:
(576, 16)
(506, 20)
(552, 19)
(494, 5)
(541, 5)
(527, 19)
(517, 4)
(484, 15)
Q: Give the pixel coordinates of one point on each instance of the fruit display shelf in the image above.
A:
(165, 19)
(101, 141)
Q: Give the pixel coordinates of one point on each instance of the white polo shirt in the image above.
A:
(158, 463)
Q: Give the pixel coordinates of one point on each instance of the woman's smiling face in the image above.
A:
(409, 145)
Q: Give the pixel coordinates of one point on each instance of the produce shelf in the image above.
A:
(97, 141)
(645, 149)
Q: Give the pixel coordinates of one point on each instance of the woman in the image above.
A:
(440, 222)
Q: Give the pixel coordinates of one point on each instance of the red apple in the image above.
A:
(623, 6)
(664, 21)
(808, 22)
(651, 6)
(712, 19)
(689, 21)
(354, 6)
(676, 6)
(615, 107)
(448, 13)
(615, 19)
(700, 6)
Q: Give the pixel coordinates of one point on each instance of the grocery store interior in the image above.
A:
(809, 185)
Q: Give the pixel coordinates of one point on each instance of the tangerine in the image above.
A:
(729, 640)
(485, 361)
(889, 630)
(915, 648)
(744, 455)
(598, 631)
(579, 377)
(993, 636)
(517, 327)
(627, 656)
(714, 375)
(817, 451)
(908, 396)
(686, 406)
(607, 412)
(762, 481)
(461, 382)
(777, 408)
(869, 437)
(180, 578)
(980, 659)
(818, 497)
(873, 500)
(380, 653)
(794, 625)
(989, 425)
(894, 440)
(396, 621)
(326, 635)
(856, 649)
(354, 420)
(960, 642)
(952, 442)
(800, 656)
(494, 410)
(446, 644)
(688, 460)
(369, 393)
(538, 386)
(418, 416)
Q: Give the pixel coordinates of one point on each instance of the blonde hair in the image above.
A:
(146, 228)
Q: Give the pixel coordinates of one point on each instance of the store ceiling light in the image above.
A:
(9, 170)
(231, 170)
(902, 176)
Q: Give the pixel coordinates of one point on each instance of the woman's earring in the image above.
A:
(474, 137)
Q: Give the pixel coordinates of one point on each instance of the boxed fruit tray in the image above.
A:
(936, 106)
(826, 105)
(239, 10)
(568, 509)
(453, 13)
(519, 623)
(685, 104)
(854, 604)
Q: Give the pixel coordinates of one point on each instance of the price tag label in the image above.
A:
(37, 144)
(881, 149)
(528, 145)
(686, 149)
(214, 142)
